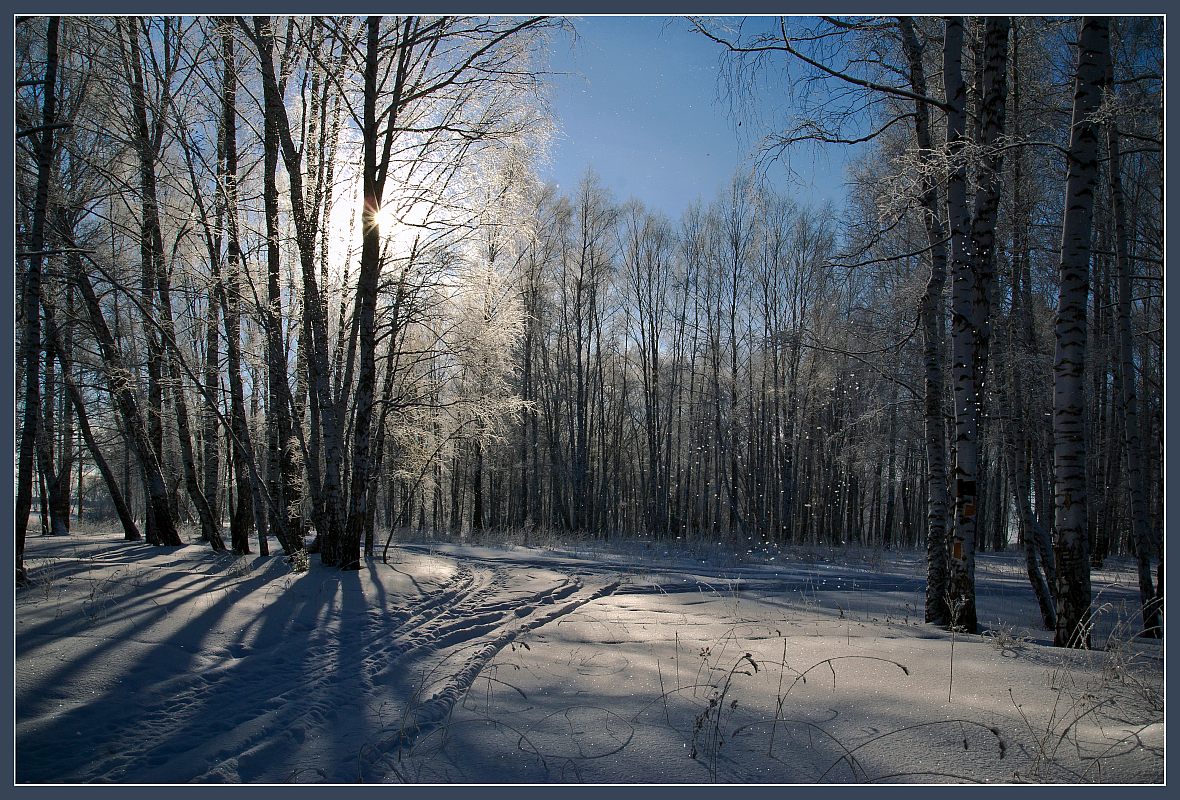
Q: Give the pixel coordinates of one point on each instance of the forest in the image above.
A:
(294, 285)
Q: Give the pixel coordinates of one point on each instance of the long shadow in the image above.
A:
(349, 684)
(142, 598)
(125, 594)
(248, 718)
(259, 695)
(51, 752)
(56, 547)
(29, 642)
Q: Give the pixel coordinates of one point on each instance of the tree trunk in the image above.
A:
(209, 412)
(972, 251)
(1069, 395)
(964, 323)
(891, 483)
(55, 508)
(31, 344)
(932, 313)
(283, 468)
(327, 422)
(366, 297)
(146, 140)
(229, 292)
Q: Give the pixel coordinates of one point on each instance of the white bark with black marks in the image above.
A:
(1069, 388)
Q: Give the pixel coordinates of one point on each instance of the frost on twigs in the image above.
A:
(898, 191)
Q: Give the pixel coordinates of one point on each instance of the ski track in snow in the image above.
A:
(436, 642)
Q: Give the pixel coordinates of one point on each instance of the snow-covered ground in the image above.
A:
(464, 664)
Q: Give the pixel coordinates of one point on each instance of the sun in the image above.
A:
(401, 223)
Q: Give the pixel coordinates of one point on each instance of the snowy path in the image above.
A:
(151, 665)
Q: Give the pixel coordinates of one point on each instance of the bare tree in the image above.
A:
(31, 344)
(972, 251)
(282, 443)
(934, 329)
(1069, 397)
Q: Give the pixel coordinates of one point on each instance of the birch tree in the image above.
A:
(932, 313)
(972, 235)
(1069, 391)
(306, 195)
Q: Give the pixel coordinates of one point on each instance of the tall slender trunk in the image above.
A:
(992, 79)
(972, 252)
(59, 495)
(210, 447)
(327, 422)
(1069, 395)
(477, 480)
(932, 312)
(283, 467)
(31, 304)
(891, 482)
(365, 311)
(55, 505)
(229, 291)
(145, 137)
(964, 323)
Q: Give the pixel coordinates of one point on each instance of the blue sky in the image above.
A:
(639, 100)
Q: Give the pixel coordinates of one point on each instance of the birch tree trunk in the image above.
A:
(327, 433)
(932, 313)
(964, 324)
(49, 439)
(993, 116)
(373, 176)
(229, 290)
(283, 467)
(1069, 390)
(972, 251)
(210, 452)
(144, 136)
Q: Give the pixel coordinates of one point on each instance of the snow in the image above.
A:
(456, 663)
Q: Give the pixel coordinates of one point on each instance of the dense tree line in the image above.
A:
(1024, 218)
(297, 276)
